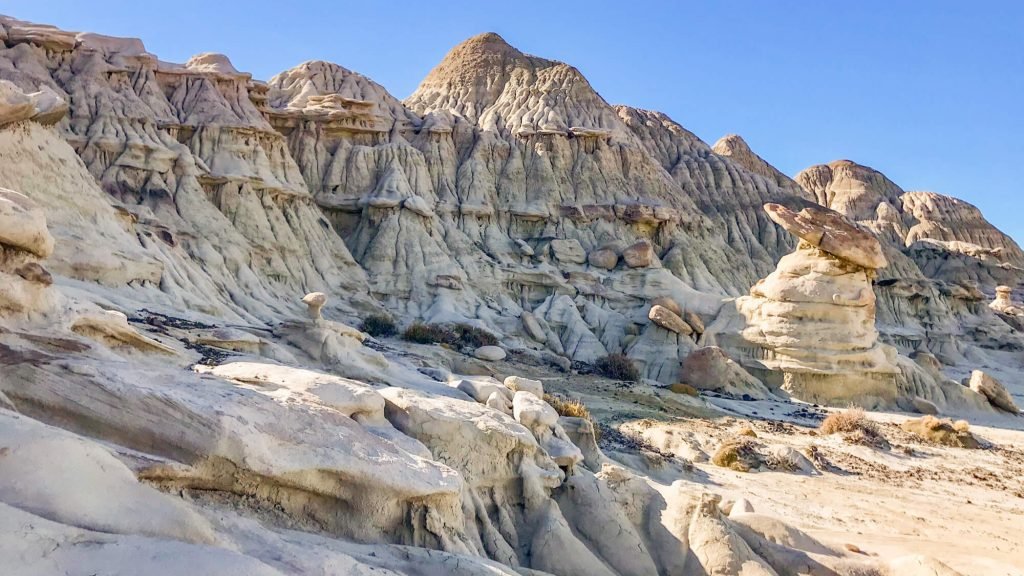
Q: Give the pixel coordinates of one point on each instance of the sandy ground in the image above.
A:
(964, 507)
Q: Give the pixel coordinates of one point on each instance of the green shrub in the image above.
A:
(618, 367)
(379, 326)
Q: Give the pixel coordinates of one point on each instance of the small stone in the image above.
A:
(533, 328)
(518, 383)
(489, 353)
(603, 258)
(993, 390)
(669, 303)
(694, 321)
(741, 506)
(639, 255)
(924, 406)
(568, 250)
(668, 320)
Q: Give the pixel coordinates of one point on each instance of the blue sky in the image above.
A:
(930, 93)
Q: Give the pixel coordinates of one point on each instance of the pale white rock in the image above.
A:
(1003, 302)
(717, 548)
(490, 353)
(112, 329)
(105, 495)
(740, 506)
(517, 383)
(499, 402)
(993, 390)
(23, 224)
(45, 547)
(533, 327)
(531, 411)
(569, 251)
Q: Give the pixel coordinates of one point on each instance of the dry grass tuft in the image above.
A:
(681, 388)
(846, 421)
(855, 427)
(737, 454)
(943, 432)
(574, 408)
(748, 431)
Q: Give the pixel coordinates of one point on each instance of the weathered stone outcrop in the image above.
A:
(810, 325)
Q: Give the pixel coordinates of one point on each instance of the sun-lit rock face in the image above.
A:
(181, 247)
(188, 160)
(942, 255)
(810, 325)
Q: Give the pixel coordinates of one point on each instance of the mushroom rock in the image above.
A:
(1003, 302)
(314, 302)
(810, 325)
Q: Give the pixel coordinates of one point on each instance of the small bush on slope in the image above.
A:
(855, 427)
(618, 367)
(379, 326)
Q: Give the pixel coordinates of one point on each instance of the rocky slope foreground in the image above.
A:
(170, 402)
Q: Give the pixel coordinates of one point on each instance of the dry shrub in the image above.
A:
(574, 408)
(473, 337)
(855, 428)
(617, 367)
(428, 334)
(456, 335)
(748, 431)
(737, 454)
(681, 388)
(943, 432)
(379, 326)
(846, 421)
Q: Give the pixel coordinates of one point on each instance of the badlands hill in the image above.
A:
(188, 255)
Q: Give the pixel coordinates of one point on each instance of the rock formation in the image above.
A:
(810, 325)
(160, 222)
